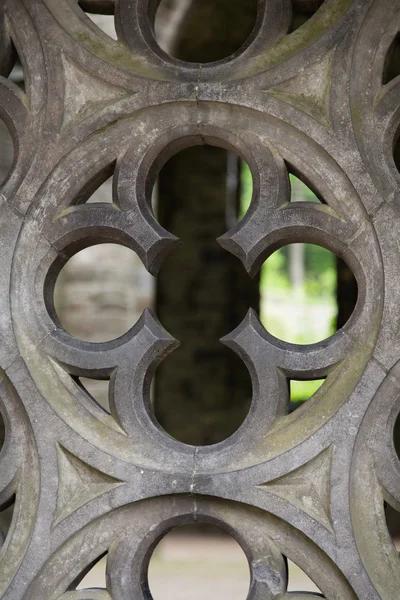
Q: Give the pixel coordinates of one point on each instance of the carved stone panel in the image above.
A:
(310, 486)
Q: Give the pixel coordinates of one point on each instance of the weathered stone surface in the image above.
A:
(335, 454)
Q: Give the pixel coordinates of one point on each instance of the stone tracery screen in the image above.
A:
(310, 486)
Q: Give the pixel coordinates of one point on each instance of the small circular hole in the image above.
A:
(198, 561)
(203, 31)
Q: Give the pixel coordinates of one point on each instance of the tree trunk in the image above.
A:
(203, 390)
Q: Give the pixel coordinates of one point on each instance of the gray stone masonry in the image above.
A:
(82, 482)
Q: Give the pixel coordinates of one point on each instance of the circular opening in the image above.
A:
(198, 561)
(299, 285)
(203, 31)
(101, 292)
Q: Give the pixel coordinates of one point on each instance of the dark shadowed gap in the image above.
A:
(104, 7)
(302, 11)
(396, 150)
(204, 30)
(6, 515)
(203, 389)
(6, 151)
(391, 68)
(2, 431)
(391, 514)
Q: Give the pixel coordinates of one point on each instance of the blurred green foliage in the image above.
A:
(301, 390)
(281, 304)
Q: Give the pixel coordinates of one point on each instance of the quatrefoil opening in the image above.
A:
(271, 220)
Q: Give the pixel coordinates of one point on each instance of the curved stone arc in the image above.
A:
(339, 433)
(9, 476)
(270, 392)
(366, 86)
(10, 224)
(87, 595)
(269, 48)
(95, 428)
(321, 416)
(123, 448)
(14, 113)
(336, 392)
(254, 529)
(10, 452)
(83, 31)
(318, 32)
(25, 36)
(219, 115)
(134, 25)
(142, 175)
(103, 7)
(82, 226)
(388, 120)
(352, 215)
(375, 478)
(271, 25)
(128, 560)
(386, 459)
(299, 222)
(130, 382)
(100, 360)
(25, 483)
(301, 596)
(22, 110)
(306, 524)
